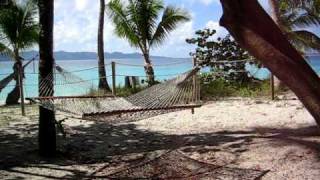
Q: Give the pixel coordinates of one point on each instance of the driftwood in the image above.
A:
(254, 29)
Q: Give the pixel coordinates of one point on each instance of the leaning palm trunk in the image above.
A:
(103, 83)
(252, 27)
(47, 130)
(14, 96)
(149, 69)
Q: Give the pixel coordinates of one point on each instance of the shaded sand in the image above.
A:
(277, 136)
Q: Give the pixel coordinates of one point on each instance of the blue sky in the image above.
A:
(76, 27)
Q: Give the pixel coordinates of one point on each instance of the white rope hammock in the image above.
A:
(182, 92)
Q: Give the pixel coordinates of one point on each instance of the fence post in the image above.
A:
(272, 87)
(20, 81)
(113, 66)
(195, 88)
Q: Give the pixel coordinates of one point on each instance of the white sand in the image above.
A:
(279, 136)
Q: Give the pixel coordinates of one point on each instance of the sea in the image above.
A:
(83, 74)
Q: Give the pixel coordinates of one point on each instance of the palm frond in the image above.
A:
(5, 50)
(304, 40)
(18, 25)
(145, 15)
(305, 20)
(124, 27)
(171, 18)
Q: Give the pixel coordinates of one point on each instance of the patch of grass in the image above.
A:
(124, 92)
(120, 91)
(220, 88)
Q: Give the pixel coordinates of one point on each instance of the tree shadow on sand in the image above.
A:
(123, 145)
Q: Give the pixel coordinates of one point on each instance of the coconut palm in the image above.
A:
(293, 17)
(19, 30)
(103, 83)
(138, 22)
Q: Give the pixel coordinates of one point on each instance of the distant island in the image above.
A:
(63, 55)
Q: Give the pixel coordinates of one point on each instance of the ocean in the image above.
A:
(88, 78)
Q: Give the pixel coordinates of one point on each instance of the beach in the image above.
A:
(277, 137)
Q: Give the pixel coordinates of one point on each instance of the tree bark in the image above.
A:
(14, 96)
(148, 69)
(103, 83)
(47, 129)
(254, 29)
(275, 15)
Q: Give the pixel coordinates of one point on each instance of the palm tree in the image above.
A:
(293, 17)
(137, 21)
(47, 131)
(18, 31)
(103, 83)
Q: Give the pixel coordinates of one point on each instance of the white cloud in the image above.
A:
(204, 2)
(76, 24)
(220, 30)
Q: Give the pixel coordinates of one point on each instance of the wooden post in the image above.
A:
(194, 79)
(20, 80)
(113, 66)
(272, 87)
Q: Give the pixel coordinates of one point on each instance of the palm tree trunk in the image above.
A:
(275, 14)
(253, 28)
(148, 69)
(47, 130)
(103, 83)
(275, 8)
(14, 96)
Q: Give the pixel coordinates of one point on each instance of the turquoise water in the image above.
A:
(89, 77)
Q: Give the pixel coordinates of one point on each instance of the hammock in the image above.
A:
(179, 93)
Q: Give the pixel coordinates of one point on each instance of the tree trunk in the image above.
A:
(47, 129)
(14, 96)
(103, 83)
(253, 28)
(275, 14)
(148, 69)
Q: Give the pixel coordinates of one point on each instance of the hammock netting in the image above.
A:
(182, 92)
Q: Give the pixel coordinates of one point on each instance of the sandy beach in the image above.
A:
(279, 137)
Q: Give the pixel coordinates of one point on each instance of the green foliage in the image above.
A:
(19, 29)
(138, 21)
(220, 55)
(295, 17)
(121, 91)
(220, 88)
(124, 92)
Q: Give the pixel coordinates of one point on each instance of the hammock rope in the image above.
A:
(178, 93)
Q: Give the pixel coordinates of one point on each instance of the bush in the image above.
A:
(220, 88)
(121, 91)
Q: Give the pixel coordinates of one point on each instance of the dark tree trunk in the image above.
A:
(14, 96)
(47, 130)
(254, 29)
(103, 83)
(149, 69)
